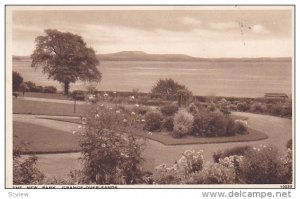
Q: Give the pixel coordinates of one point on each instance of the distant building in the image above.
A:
(281, 96)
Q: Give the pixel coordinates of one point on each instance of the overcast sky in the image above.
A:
(202, 33)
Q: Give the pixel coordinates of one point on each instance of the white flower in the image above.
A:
(114, 92)
(73, 132)
(97, 116)
(136, 105)
(124, 120)
(102, 105)
(118, 111)
(105, 95)
(103, 145)
(132, 97)
(79, 126)
(149, 133)
(143, 120)
(132, 113)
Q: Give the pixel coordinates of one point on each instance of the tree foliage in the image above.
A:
(168, 87)
(17, 80)
(65, 57)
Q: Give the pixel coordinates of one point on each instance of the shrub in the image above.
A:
(30, 85)
(276, 109)
(25, 171)
(109, 156)
(287, 109)
(169, 109)
(263, 165)
(216, 124)
(217, 173)
(190, 162)
(212, 107)
(193, 109)
(183, 123)
(231, 169)
(201, 124)
(233, 107)
(257, 108)
(289, 144)
(168, 123)
(239, 151)
(242, 107)
(153, 121)
(240, 128)
(142, 110)
(50, 89)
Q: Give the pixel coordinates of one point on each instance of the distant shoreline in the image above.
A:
(142, 56)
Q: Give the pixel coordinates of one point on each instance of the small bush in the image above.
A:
(189, 163)
(263, 165)
(212, 107)
(240, 128)
(289, 144)
(242, 107)
(276, 109)
(169, 109)
(201, 124)
(109, 155)
(142, 110)
(193, 109)
(25, 171)
(153, 121)
(50, 89)
(239, 150)
(168, 123)
(183, 123)
(257, 108)
(216, 124)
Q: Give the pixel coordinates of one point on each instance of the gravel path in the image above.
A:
(278, 129)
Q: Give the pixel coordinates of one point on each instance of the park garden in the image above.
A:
(114, 132)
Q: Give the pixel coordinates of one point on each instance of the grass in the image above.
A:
(32, 138)
(58, 96)
(47, 108)
(166, 139)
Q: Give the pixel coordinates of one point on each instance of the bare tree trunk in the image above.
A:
(66, 87)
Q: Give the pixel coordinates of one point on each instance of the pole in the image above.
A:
(75, 105)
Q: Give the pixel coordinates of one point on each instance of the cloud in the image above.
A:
(198, 41)
(259, 29)
(190, 21)
(223, 25)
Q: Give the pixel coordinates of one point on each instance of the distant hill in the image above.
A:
(142, 56)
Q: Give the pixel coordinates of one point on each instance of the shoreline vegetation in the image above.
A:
(143, 56)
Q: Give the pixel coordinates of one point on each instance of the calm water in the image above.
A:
(248, 79)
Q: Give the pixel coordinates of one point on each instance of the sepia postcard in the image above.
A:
(149, 96)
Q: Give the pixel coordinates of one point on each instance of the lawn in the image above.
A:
(31, 138)
(58, 96)
(47, 108)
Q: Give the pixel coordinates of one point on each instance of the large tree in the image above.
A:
(66, 58)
